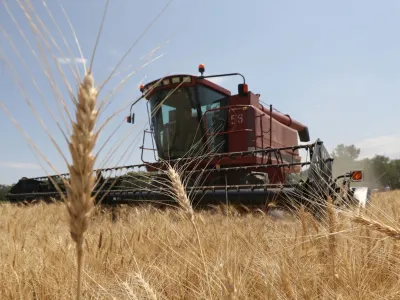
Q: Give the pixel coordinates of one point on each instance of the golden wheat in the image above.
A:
(80, 187)
(179, 192)
(246, 256)
(378, 226)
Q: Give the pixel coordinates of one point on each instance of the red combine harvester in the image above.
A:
(230, 148)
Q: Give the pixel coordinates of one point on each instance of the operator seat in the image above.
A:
(188, 132)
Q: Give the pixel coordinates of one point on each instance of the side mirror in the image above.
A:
(131, 119)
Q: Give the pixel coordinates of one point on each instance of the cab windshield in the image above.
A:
(177, 115)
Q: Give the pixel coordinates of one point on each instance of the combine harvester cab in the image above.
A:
(230, 148)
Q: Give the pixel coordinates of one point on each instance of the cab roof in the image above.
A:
(183, 80)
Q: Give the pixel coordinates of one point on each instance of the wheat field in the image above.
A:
(147, 253)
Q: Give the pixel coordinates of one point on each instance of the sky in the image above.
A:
(333, 65)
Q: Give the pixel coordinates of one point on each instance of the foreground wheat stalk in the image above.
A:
(179, 192)
(378, 226)
(79, 200)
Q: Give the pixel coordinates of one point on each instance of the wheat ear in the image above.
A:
(179, 191)
(378, 226)
(79, 200)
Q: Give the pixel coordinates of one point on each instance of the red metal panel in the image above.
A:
(284, 119)
(238, 119)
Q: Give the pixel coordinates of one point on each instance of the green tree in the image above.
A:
(3, 191)
(396, 173)
(342, 151)
(386, 172)
(345, 159)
